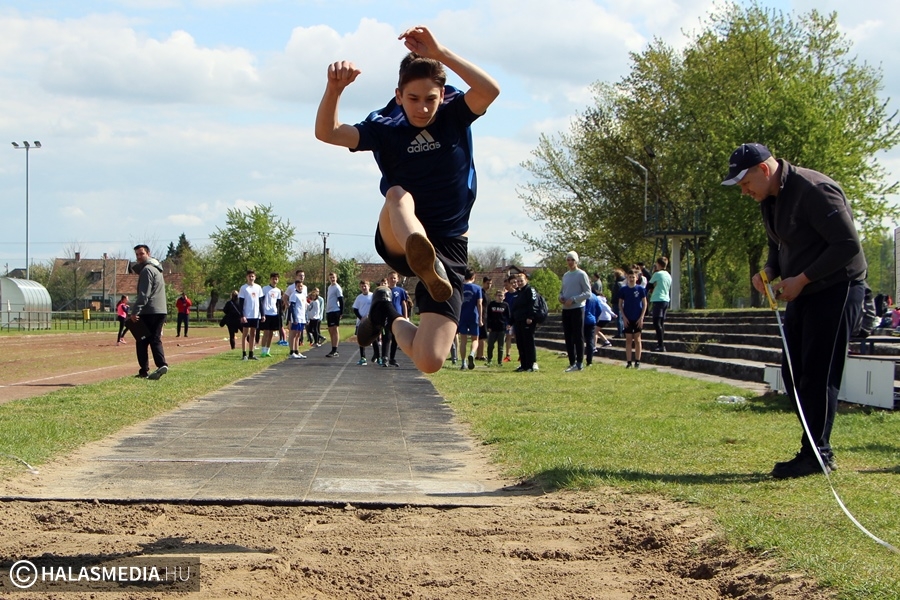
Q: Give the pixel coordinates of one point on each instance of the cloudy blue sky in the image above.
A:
(156, 116)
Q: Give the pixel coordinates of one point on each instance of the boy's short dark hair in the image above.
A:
(251, 272)
(470, 273)
(271, 275)
(662, 261)
(144, 246)
(485, 279)
(414, 67)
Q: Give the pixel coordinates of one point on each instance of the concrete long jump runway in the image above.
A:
(322, 430)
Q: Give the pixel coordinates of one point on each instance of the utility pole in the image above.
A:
(325, 263)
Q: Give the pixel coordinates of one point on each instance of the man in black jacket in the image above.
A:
(814, 249)
(523, 313)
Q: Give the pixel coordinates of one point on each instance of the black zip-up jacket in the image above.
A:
(810, 230)
(524, 306)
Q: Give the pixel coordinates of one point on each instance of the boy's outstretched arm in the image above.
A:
(329, 128)
(483, 89)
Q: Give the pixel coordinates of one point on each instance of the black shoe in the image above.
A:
(381, 314)
(799, 466)
(423, 261)
(393, 363)
(332, 354)
(471, 362)
(520, 370)
(158, 373)
(141, 375)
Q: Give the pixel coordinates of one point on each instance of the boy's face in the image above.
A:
(420, 99)
(251, 277)
(364, 288)
(332, 278)
(499, 297)
(273, 281)
(631, 279)
(392, 280)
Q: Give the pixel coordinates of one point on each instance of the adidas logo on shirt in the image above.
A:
(423, 143)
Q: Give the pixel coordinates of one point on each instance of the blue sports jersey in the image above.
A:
(399, 298)
(471, 294)
(632, 297)
(434, 164)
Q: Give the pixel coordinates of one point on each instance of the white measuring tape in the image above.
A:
(770, 294)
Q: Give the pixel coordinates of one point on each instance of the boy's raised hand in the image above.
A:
(342, 73)
(421, 41)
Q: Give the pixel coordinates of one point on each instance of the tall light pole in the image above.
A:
(26, 147)
(644, 169)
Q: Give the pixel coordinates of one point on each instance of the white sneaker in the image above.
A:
(298, 355)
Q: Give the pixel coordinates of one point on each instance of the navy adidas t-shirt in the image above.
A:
(434, 163)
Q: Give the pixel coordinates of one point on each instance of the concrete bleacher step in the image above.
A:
(731, 368)
(730, 344)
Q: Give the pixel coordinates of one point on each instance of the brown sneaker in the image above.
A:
(424, 263)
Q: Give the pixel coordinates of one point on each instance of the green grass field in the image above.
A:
(650, 432)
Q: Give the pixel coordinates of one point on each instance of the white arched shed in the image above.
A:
(24, 304)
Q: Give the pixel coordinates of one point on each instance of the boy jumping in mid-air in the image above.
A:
(423, 224)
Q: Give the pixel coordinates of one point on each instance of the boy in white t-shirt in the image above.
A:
(271, 310)
(297, 312)
(250, 305)
(361, 307)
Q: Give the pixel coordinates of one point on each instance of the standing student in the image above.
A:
(272, 305)
(509, 296)
(334, 308)
(633, 307)
(399, 298)
(361, 306)
(497, 322)
(314, 319)
(486, 284)
(150, 310)
(523, 315)
(814, 249)
(121, 316)
(592, 314)
(470, 315)
(232, 318)
(183, 305)
(575, 290)
(250, 303)
(297, 310)
(660, 284)
(607, 315)
(423, 146)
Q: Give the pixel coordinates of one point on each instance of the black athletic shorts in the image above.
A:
(272, 323)
(453, 253)
(333, 319)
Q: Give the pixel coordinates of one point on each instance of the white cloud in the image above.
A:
(71, 212)
(104, 57)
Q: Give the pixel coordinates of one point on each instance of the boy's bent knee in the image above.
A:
(429, 364)
(395, 194)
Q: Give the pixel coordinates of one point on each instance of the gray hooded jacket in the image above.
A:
(151, 289)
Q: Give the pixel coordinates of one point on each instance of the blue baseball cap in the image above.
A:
(743, 159)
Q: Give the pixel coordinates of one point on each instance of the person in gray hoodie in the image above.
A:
(576, 289)
(148, 313)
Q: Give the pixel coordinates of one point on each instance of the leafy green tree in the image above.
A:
(68, 285)
(548, 284)
(251, 239)
(750, 74)
(879, 250)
